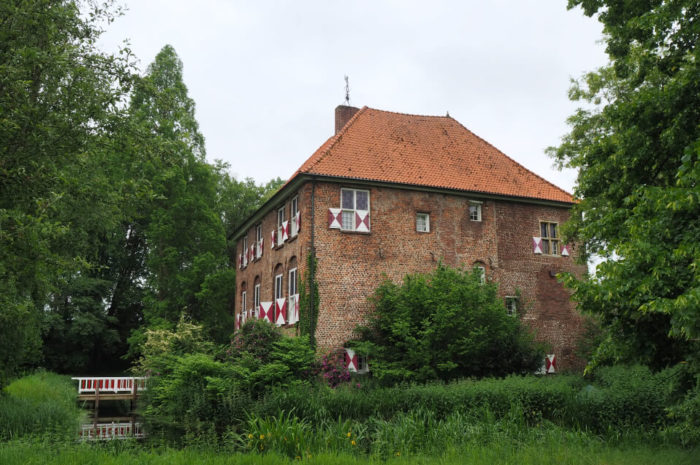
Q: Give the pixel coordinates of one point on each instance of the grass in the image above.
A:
(41, 403)
(540, 453)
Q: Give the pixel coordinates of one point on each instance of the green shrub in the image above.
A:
(41, 403)
(441, 326)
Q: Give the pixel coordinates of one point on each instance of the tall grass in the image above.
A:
(559, 450)
(42, 403)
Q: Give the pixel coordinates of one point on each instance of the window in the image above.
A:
(481, 270)
(245, 251)
(362, 364)
(422, 222)
(474, 210)
(292, 282)
(256, 299)
(355, 210)
(292, 315)
(550, 238)
(278, 287)
(244, 302)
(512, 306)
(258, 241)
(294, 209)
(280, 225)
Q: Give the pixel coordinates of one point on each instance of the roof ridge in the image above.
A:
(334, 140)
(406, 114)
(511, 159)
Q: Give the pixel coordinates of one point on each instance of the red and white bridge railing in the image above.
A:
(108, 431)
(110, 385)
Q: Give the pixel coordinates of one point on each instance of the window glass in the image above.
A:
(423, 222)
(346, 199)
(278, 286)
(349, 220)
(362, 200)
(292, 281)
(475, 211)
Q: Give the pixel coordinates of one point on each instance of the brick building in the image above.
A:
(391, 194)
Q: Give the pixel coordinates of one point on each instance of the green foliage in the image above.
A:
(39, 404)
(637, 148)
(444, 325)
(309, 300)
(58, 107)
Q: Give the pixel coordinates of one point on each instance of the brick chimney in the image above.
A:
(343, 114)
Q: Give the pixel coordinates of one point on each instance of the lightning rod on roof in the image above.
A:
(347, 90)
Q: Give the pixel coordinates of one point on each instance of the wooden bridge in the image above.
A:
(95, 389)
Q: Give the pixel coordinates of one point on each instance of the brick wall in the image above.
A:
(352, 264)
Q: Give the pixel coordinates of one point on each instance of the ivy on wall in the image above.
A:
(308, 303)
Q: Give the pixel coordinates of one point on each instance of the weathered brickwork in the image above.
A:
(352, 264)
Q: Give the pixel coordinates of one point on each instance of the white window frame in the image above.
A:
(475, 215)
(550, 243)
(256, 299)
(293, 210)
(362, 366)
(512, 302)
(426, 222)
(244, 301)
(292, 289)
(280, 221)
(258, 240)
(343, 210)
(279, 290)
(245, 250)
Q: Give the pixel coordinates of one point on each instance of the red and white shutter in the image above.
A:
(280, 311)
(537, 245)
(285, 231)
(550, 364)
(240, 261)
(362, 220)
(262, 245)
(335, 218)
(565, 250)
(252, 252)
(238, 322)
(272, 239)
(351, 360)
(266, 311)
(298, 222)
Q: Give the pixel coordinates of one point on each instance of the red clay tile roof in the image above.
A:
(431, 151)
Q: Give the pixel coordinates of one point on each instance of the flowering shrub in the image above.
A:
(332, 368)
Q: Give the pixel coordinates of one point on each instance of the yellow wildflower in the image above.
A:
(398, 454)
(349, 433)
(262, 436)
(250, 436)
(353, 442)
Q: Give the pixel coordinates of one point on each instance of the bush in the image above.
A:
(441, 326)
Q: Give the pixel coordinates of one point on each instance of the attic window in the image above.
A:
(512, 306)
(423, 222)
(474, 210)
(354, 204)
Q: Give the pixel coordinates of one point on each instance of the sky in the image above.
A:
(266, 76)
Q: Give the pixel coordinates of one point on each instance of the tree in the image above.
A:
(444, 325)
(637, 149)
(59, 99)
(187, 265)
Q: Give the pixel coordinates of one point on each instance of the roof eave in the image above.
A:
(294, 183)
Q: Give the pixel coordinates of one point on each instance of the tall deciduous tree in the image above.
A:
(187, 264)
(58, 100)
(637, 148)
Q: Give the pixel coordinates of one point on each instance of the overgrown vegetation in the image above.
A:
(444, 325)
(39, 404)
